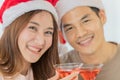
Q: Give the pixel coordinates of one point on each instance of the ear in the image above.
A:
(102, 16)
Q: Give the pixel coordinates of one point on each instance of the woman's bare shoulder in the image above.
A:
(1, 75)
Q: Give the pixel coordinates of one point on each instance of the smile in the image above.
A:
(34, 49)
(85, 41)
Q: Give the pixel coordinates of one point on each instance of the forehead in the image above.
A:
(42, 16)
(77, 12)
(80, 9)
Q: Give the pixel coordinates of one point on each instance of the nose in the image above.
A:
(81, 31)
(40, 39)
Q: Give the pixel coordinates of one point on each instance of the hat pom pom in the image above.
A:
(53, 2)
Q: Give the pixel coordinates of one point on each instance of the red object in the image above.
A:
(89, 74)
(65, 72)
(62, 40)
(53, 2)
(7, 4)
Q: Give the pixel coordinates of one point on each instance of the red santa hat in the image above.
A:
(12, 9)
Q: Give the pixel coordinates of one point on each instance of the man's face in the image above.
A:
(84, 29)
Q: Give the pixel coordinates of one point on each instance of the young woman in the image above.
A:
(28, 45)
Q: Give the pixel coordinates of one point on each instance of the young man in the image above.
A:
(82, 24)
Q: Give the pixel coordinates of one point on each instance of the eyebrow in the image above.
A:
(51, 28)
(34, 23)
(84, 17)
(66, 25)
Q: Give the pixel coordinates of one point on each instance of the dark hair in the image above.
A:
(11, 58)
(96, 10)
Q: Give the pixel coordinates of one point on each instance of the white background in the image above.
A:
(112, 27)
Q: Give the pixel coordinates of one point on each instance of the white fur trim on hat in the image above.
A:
(63, 6)
(15, 11)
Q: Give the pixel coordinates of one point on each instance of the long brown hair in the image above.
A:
(11, 58)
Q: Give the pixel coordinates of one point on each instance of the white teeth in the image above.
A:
(33, 49)
(85, 41)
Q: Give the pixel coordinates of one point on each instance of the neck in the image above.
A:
(104, 54)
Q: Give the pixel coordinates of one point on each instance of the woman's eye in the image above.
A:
(33, 28)
(48, 33)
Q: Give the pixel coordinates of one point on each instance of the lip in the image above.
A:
(86, 41)
(34, 49)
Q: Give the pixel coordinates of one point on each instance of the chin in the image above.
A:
(32, 60)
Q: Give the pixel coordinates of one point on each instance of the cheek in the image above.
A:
(70, 37)
(48, 42)
(23, 38)
(96, 26)
(98, 30)
(21, 43)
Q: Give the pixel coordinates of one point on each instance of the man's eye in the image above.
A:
(85, 21)
(68, 29)
(33, 28)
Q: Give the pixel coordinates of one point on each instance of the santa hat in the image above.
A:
(63, 6)
(12, 9)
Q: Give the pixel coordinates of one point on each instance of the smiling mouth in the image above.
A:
(34, 49)
(86, 40)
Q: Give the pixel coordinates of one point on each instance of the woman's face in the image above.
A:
(36, 37)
